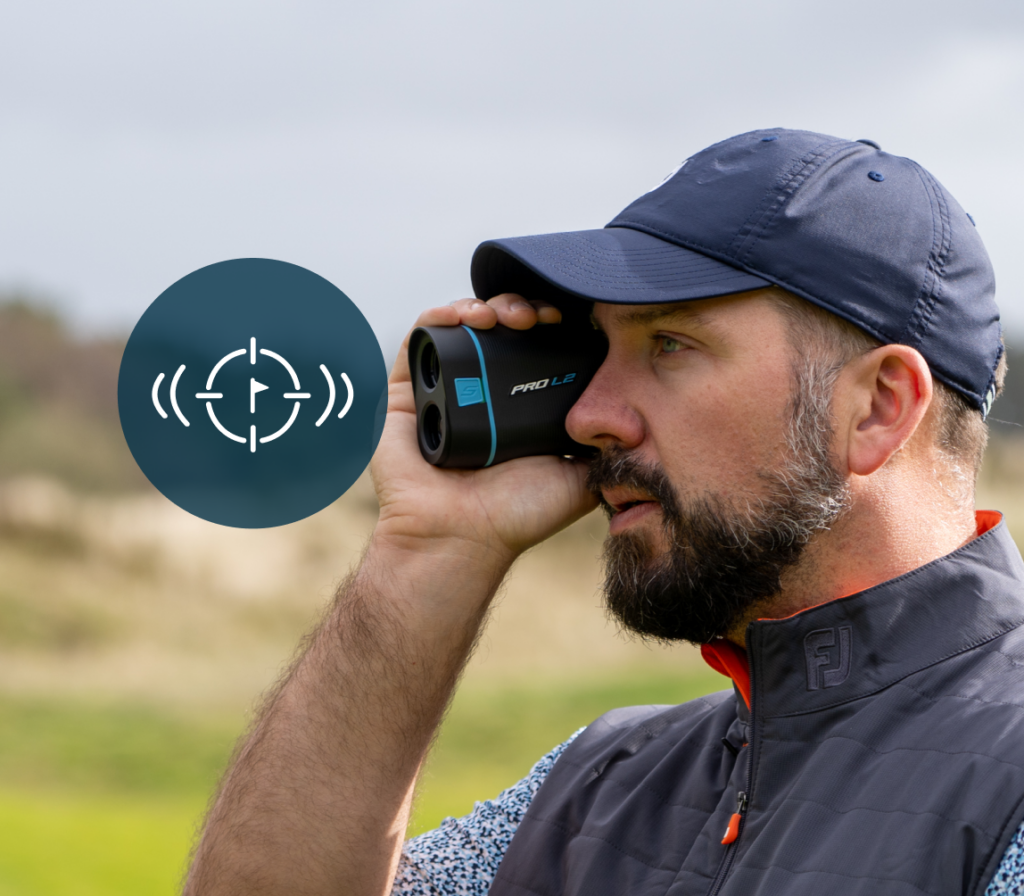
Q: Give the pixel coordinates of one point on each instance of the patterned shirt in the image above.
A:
(461, 857)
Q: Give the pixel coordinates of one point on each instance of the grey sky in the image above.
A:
(377, 144)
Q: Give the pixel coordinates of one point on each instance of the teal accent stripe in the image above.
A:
(487, 394)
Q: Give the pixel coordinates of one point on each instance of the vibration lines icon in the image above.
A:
(255, 387)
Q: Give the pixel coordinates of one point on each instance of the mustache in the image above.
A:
(616, 467)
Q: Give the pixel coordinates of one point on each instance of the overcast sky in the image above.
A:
(378, 143)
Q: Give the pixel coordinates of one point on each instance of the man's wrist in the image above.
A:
(487, 557)
(449, 578)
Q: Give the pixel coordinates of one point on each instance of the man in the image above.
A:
(802, 346)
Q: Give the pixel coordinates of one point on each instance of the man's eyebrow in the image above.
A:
(642, 315)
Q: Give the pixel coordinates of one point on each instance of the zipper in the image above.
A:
(732, 834)
(733, 831)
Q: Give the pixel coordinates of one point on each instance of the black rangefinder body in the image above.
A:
(487, 396)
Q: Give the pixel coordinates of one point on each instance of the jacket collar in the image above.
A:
(855, 646)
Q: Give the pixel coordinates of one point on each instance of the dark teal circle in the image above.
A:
(299, 317)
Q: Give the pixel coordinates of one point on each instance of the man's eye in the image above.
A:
(668, 344)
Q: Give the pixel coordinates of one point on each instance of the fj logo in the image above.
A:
(827, 652)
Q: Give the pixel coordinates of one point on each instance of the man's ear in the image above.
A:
(886, 394)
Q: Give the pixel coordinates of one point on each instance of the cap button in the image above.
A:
(871, 143)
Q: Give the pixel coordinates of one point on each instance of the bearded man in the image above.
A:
(803, 345)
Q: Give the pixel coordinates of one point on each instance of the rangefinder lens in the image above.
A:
(430, 366)
(487, 396)
(432, 426)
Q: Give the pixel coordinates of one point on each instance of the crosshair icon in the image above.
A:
(222, 398)
(255, 387)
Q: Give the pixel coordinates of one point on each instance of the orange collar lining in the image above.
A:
(729, 660)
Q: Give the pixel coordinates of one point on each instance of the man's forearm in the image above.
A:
(318, 797)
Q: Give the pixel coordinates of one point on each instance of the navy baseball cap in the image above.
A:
(868, 236)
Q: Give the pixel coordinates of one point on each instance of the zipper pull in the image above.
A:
(733, 831)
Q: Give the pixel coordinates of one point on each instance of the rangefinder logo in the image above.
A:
(537, 385)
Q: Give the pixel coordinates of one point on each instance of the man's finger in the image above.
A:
(508, 309)
(517, 313)
(475, 313)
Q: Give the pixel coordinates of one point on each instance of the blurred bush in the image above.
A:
(58, 402)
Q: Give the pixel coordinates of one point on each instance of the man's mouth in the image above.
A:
(627, 507)
(621, 499)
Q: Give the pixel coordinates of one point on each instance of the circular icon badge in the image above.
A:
(252, 393)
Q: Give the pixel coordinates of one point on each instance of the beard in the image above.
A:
(722, 560)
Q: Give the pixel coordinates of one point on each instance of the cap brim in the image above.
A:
(616, 264)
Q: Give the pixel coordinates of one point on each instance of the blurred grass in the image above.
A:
(111, 749)
(62, 626)
(104, 799)
(99, 798)
(68, 844)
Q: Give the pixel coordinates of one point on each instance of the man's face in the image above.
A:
(714, 465)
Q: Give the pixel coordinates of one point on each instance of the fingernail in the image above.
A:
(519, 306)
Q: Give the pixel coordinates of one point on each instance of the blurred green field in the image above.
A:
(75, 844)
(100, 798)
(105, 798)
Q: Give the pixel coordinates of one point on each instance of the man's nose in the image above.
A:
(603, 415)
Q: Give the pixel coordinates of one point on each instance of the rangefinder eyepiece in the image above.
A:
(487, 396)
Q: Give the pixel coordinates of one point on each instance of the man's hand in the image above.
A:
(318, 799)
(504, 509)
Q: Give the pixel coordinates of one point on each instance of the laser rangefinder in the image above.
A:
(487, 396)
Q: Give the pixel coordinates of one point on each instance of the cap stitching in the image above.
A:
(931, 287)
(630, 280)
(921, 318)
(582, 261)
(779, 196)
(496, 270)
(773, 196)
(583, 264)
